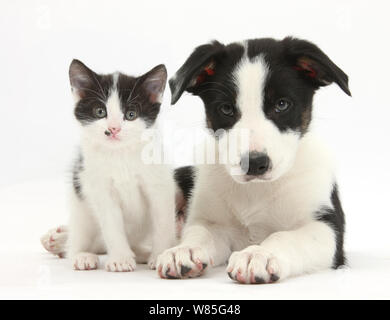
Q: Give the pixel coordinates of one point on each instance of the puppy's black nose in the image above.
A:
(255, 163)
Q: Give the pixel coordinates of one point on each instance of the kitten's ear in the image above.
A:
(199, 66)
(314, 65)
(153, 82)
(81, 79)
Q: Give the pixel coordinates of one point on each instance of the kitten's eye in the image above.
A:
(226, 109)
(131, 115)
(282, 105)
(100, 112)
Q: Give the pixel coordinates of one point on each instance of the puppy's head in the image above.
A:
(263, 87)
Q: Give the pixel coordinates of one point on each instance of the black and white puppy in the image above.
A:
(282, 217)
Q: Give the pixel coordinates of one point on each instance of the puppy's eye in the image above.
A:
(283, 105)
(131, 115)
(100, 112)
(226, 109)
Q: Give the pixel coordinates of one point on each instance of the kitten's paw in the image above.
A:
(254, 265)
(54, 241)
(152, 262)
(120, 263)
(182, 262)
(85, 261)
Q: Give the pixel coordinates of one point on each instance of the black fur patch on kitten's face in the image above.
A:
(90, 96)
(137, 98)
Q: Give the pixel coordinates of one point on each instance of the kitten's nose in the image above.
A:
(114, 130)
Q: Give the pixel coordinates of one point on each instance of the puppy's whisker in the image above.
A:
(213, 89)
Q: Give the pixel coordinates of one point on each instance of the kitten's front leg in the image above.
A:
(120, 256)
(285, 253)
(83, 232)
(163, 219)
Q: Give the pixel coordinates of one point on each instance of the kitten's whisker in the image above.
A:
(93, 91)
(95, 98)
(133, 99)
(101, 89)
(131, 93)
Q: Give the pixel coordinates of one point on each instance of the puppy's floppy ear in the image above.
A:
(199, 66)
(154, 83)
(314, 64)
(82, 79)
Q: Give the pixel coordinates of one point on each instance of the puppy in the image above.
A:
(275, 211)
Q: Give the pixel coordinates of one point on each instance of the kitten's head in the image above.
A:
(115, 109)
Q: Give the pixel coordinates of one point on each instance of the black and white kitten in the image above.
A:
(120, 205)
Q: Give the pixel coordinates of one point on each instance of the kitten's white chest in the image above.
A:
(116, 174)
(131, 195)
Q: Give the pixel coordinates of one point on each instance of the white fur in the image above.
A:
(127, 208)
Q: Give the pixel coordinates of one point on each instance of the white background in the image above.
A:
(39, 135)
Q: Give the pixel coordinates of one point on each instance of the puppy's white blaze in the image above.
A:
(250, 77)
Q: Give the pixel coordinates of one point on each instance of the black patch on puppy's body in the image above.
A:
(334, 217)
(184, 178)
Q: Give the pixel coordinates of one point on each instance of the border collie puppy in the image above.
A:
(119, 205)
(281, 216)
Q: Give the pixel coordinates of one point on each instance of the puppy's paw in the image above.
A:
(54, 241)
(254, 265)
(121, 263)
(182, 262)
(85, 261)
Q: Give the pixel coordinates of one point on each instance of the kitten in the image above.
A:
(119, 206)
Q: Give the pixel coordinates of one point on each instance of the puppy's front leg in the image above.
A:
(203, 244)
(285, 253)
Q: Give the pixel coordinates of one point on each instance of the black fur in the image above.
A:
(77, 168)
(184, 178)
(334, 217)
